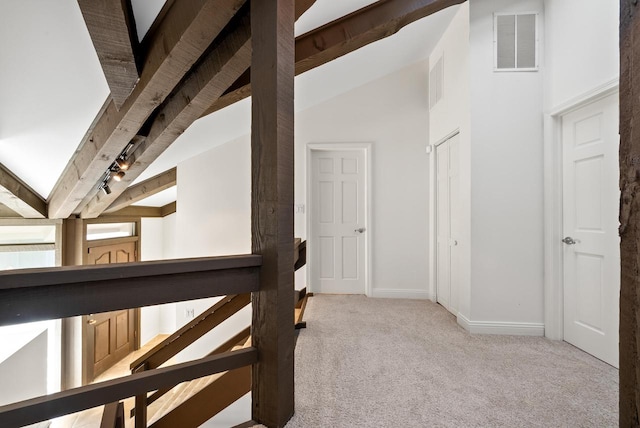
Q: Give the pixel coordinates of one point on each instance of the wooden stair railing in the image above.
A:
(192, 331)
(113, 415)
(41, 294)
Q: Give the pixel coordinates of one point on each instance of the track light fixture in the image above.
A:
(116, 169)
(122, 163)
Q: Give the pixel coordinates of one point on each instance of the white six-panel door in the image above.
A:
(447, 224)
(338, 229)
(590, 224)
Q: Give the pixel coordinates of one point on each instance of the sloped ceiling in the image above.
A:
(52, 85)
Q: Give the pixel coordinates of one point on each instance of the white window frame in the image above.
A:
(495, 42)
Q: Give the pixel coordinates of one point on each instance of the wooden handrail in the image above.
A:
(77, 399)
(192, 331)
(301, 255)
(113, 415)
(41, 294)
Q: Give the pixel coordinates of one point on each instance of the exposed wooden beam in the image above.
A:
(143, 211)
(272, 114)
(170, 50)
(224, 62)
(145, 189)
(19, 197)
(302, 6)
(342, 36)
(113, 32)
(6, 212)
(629, 214)
(169, 209)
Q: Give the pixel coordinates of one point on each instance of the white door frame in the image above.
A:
(366, 149)
(553, 251)
(433, 225)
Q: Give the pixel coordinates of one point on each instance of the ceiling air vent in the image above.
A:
(516, 42)
(436, 83)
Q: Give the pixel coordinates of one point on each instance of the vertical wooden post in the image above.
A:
(629, 212)
(272, 73)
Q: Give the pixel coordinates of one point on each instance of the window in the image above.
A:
(516, 42)
(27, 246)
(110, 230)
(436, 83)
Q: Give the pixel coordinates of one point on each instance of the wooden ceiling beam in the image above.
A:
(225, 61)
(113, 32)
(145, 189)
(170, 49)
(19, 197)
(342, 36)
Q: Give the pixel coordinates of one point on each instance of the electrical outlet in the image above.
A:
(189, 313)
(299, 209)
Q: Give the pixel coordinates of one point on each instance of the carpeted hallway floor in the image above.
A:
(404, 363)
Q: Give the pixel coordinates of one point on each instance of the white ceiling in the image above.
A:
(52, 86)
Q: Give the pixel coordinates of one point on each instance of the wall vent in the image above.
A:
(436, 83)
(516, 42)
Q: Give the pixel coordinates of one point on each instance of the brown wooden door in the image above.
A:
(109, 336)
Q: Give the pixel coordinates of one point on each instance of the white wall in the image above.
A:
(392, 114)
(506, 178)
(24, 374)
(452, 113)
(582, 52)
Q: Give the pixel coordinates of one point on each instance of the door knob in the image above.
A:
(569, 241)
(91, 322)
(360, 230)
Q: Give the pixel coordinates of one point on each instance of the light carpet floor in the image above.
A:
(401, 363)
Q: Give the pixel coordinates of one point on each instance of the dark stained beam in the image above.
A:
(113, 32)
(224, 62)
(169, 51)
(28, 295)
(18, 197)
(145, 189)
(302, 6)
(629, 214)
(272, 113)
(342, 36)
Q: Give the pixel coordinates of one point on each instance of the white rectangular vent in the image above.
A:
(516, 42)
(436, 83)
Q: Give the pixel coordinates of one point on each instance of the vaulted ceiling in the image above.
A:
(83, 82)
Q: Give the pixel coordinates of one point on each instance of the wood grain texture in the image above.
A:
(16, 195)
(629, 214)
(342, 36)
(169, 51)
(113, 33)
(86, 397)
(272, 66)
(134, 211)
(222, 64)
(41, 294)
(192, 331)
(144, 189)
(209, 401)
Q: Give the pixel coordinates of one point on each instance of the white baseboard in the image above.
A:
(388, 293)
(505, 328)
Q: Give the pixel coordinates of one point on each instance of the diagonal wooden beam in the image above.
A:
(225, 61)
(302, 6)
(342, 36)
(144, 189)
(113, 32)
(19, 197)
(169, 50)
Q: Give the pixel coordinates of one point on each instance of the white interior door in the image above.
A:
(590, 223)
(447, 224)
(339, 230)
